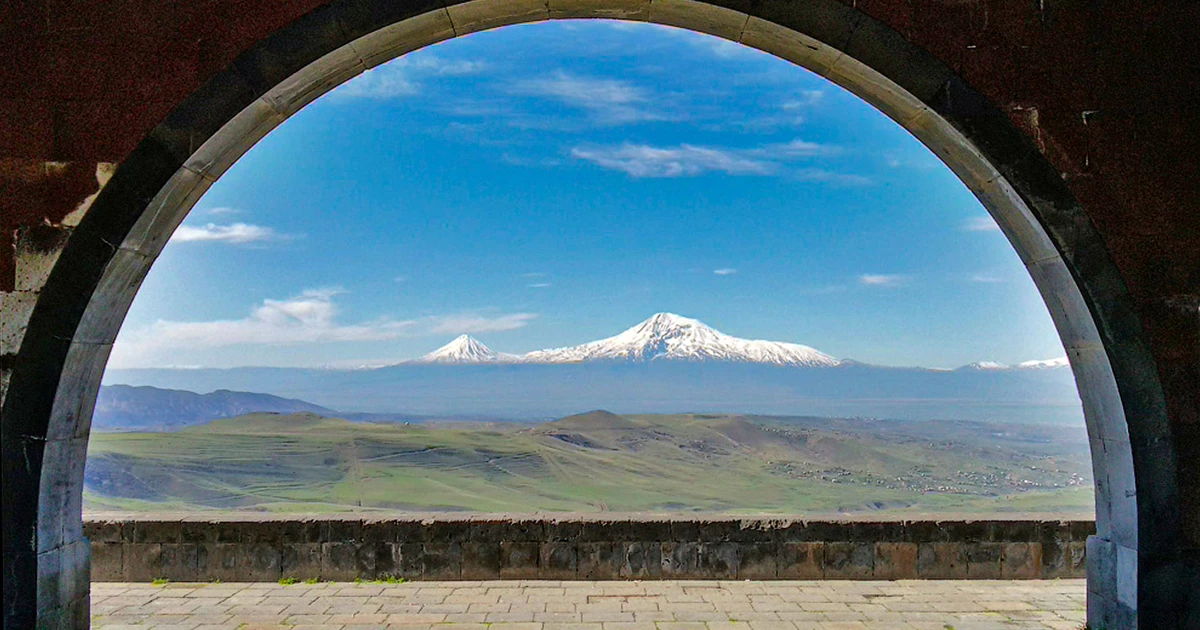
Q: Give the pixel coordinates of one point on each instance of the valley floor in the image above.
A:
(549, 605)
(593, 463)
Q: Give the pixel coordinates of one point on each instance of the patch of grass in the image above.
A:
(160, 581)
(311, 580)
(288, 581)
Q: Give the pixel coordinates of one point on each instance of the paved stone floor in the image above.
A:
(543, 605)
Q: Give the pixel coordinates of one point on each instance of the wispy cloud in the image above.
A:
(725, 271)
(883, 280)
(608, 101)
(234, 233)
(539, 285)
(641, 160)
(981, 224)
(309, 318)
(475, 324)
(223, 211)
(403, 77)
(986, 278)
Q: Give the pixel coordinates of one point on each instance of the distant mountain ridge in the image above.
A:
(129, 407)
(671, 337)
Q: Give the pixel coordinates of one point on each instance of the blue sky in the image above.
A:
(545, 185)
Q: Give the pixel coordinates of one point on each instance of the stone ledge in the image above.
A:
(449, 547)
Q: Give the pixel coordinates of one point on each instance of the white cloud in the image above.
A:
(223, 211)
(402, 77)
(725, 271)
(641, 160)
(883, 280)
(235, 233)
(475, 324)
(539, 285)
(609, 101)
(981, 224)
(986, 278)
(309, 318)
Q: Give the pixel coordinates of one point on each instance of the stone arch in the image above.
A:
(1135, 571)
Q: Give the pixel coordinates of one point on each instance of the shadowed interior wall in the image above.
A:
(1089, 110)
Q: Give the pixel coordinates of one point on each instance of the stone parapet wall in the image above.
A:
(338, 548)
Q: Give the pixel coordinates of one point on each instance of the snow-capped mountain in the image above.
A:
(1044, 364)
(667, 336)
(466, 349)
(986, 365)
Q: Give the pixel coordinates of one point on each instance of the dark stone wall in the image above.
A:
(338, 549)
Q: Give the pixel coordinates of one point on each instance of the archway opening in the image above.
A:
(555, 198)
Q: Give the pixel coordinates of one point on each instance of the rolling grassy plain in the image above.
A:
(594, 462)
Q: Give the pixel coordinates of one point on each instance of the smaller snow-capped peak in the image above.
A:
(1044, 364)
(465, 349)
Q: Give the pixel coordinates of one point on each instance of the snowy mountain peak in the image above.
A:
(465, 349)
(667, 336)
(1044, 364)
(986, 365)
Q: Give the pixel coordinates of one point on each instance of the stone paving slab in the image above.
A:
(551, 605)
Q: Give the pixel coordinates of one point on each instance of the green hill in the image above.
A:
(590, 462)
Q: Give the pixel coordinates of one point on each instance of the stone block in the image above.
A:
(179, 562)
(525, 530)
(640, 560)
(700, 17)
(106, 562)
(984, 560)
(480, 560)
(896, 560)
(801, 560)
(680, 531)
(598, 561)
(469, 17)
(412, 560)
(299, 560)
(876, 532)
(757, 561)
(635, 10)
(1021, 560)
(849, 560)
(558, 561)
(339, 561)
(141, 562)
(448, 532)
(605, 531)
(680, 559)
(800, 531)
(719, 560)
(103, 531)
(789, 45)
(441, 561)
(563, 530)
(519, 559)
(649, 531)
(491, 531)
(156, 531)
(403, 37)
(387, 559)
(941, 561)
(342, 530)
